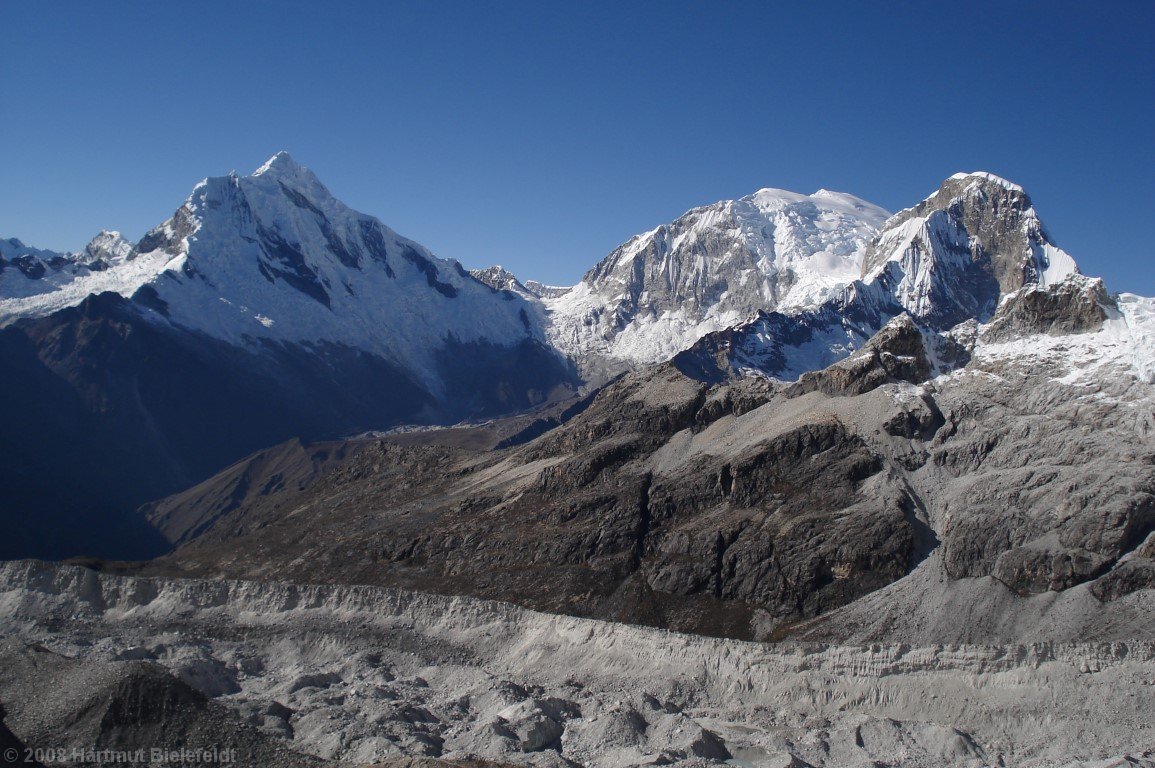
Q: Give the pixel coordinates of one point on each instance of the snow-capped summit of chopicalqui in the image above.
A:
(953, 259)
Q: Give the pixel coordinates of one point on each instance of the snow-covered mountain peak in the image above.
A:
(772, 197)
(953, 255)
(499, 278)
(852, 205)
(274, 257)
(281, 164)
(281, 171)
(108, 247)
(716, 265)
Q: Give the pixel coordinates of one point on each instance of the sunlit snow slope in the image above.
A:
(714, 267)
(275, 256)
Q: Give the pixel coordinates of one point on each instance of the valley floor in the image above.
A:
(345, 675)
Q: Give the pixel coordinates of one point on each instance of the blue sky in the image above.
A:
(541, 135)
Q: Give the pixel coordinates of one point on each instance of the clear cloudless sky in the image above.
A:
(541, 135)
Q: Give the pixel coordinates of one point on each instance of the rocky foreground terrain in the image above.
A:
(317, 675)
(945, 576)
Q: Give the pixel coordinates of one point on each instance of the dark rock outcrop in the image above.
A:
(895, 353)
(111, 709)
(1133, 574)
(13, 751)
(1077, 305)
(591, 518)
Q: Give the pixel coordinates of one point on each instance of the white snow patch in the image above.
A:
(984, 175)
(1126, 342)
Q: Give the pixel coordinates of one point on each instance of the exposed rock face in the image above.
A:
(606, 515)
(1134, 573)
(1077, 305)
(1028, 505)
(499, 278)
(950, 257)
(1064, 404)
(782, 346)
(58, 703)
(896, 353)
